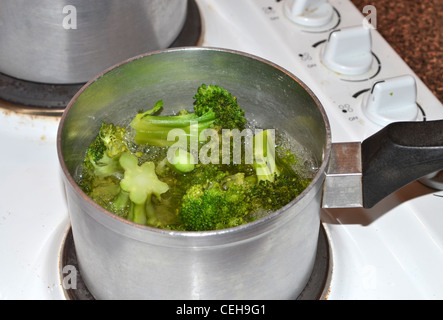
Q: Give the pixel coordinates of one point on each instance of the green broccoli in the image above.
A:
(103, 154)
(104, 190)
(137, 176)
(114, 139)
(139, 184)
(278, 183)
(213, 98)
(271, 196)
(232, 200)
(206, 208)
(214, 107)
(204, 174)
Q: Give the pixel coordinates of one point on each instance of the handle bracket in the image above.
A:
(343, 183)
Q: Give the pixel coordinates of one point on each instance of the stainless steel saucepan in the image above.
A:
(271, 258)
(68, 42)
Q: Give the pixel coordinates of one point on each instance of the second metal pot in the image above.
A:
(66, 42)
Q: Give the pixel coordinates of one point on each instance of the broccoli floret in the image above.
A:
(104, 190)
(214, 108)
(103, 154)
(218, 200)
(271, 196)
(236, 199)
(277, 182)
(203, 174)
(228, 114)
(139, 185)
(215, 207)
(114, 139)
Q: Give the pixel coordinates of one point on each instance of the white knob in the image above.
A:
(349, 51)
(392, 100)
(309, 13)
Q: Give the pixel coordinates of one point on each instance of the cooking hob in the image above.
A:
(393, 251)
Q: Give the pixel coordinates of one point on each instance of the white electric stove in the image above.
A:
(393, 251)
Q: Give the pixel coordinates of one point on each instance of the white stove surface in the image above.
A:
(393, 251)
(33, 212)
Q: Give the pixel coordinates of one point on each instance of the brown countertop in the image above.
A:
(414, 29)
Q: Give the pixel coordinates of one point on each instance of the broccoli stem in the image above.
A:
(141, 182)
(264, 151)
(121, 201)
(138, 213)
(154, 130)
(151, 219)
(143, 214)
(213, 107)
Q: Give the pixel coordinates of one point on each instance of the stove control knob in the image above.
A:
(348, 51)
(309, 13)
(392, 100)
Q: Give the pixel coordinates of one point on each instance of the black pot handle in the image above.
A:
(399, 154)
